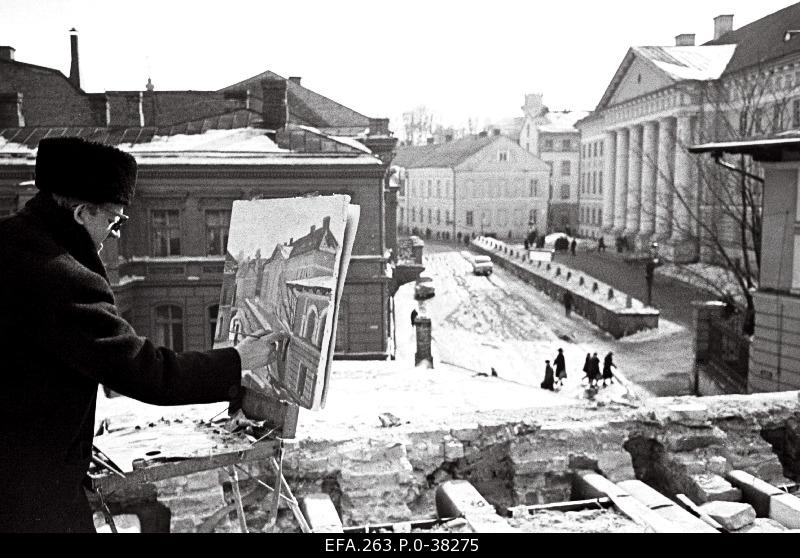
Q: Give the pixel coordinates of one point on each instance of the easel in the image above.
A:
(280, 420)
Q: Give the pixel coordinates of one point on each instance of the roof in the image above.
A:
(327, 282)
(442, 155)
(762, 40)
(313, 240)
(562, 121)
(689, 62)
(306, 106)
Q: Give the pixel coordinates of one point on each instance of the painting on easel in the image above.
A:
(284, 271)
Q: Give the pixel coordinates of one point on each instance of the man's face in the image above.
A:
(101, 221)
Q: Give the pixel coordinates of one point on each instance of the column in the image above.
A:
(683, 199)
(634, 180)
(664, 183)
(649, 170)
(621, 180)
(609, 162)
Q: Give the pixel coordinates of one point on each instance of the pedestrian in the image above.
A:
(608, 375)
(587, 369)
(567, 303)
(601, 245)
(547, 383)
(494, 373)
(527, 244)
(414, 315)
(61, 335)
(595, 369)
(573, 246)
(561, 368)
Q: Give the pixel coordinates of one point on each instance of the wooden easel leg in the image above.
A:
(276, 497)
(106, 512)
(237, 496)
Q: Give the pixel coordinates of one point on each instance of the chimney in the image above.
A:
(483, 134)
(74, 68)
(722, 24)
(684, 39)
(496, 132)
(275, 110)
(430, 141)
(295, 79)
(533, 104)
(313, 228)
(7, 53)
(448, 137)
(11, 110)
(326, 222)
(378, 127)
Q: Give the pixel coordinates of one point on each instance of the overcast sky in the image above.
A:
(461, 58)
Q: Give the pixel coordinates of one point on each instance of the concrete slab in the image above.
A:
(731, 515)
(785, 509)
(710, 488)
(763, 525)
(755, 491)
(320, 513)
(691, 412)
(669, 510)
(458, 498)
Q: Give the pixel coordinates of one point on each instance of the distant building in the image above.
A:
(198, 151)
(477, 185)
(552, 136)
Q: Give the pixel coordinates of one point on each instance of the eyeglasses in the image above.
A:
(120, 220)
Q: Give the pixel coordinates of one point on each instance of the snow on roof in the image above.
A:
(689, 62)
(563, 121)
(237, 139)
(351, 142)
(323, 281)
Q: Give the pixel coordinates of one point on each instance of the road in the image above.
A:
(501, 322)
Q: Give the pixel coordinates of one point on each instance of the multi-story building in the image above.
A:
(197, 153)
(743, 83)
(590, 189)
(552, 137)
(477, 185)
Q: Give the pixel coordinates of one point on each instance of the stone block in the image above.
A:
(762, 525)
(731, 515)
(616, 465)
(688, 439)
(459, 498)
(452, 450)
(755, 491)
(688, 412)
(320, 513)
(785, 509)
(204, 480)
(709, 488)
(718, 465)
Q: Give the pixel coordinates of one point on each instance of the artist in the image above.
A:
(61, 335)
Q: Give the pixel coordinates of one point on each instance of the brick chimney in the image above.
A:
(378, 127)
(74, 67)
(684, 39)
(430, 141)
(496, 132)
(7, 53)
(275, 110)
(11, 110)
(295, 79)
(722, 24)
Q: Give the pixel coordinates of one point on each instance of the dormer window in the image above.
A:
(502, 156)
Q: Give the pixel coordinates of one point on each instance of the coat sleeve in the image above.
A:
(86, 334)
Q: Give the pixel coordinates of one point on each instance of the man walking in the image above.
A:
(61, 335)
(572, 247)
(567, 303)
(608, 375)
(561, 368)
(595, 369)
(547, 383)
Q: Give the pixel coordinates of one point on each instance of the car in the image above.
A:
(482, 265)
(424, 288)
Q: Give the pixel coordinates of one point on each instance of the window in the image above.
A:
(743, 123)
(599, 216)
(438, 188)
(165, 232)
(534, 188)
(601, 147)
(600, 181)
(548, 145)
(429, 216)
(594, 149)
(217, 224)
(565, 168)
(302, 374)
(565, 191)
(532, 217)
(502, 156)
(593, 215)
(447, 217)
(413, 214)
(469, 218)
(309, 325)
(566, 145)
(438, 216)
(402, 217)
(430, 189)
(213, 311)
(447, 188)
(796, 113)
(594, 182)
(169, 327)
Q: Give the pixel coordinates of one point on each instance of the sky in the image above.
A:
(460, 59)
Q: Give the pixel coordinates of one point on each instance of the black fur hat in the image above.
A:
(85, 170)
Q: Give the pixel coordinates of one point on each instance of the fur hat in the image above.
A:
(85, 170)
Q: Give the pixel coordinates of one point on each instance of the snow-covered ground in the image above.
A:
(713, 278)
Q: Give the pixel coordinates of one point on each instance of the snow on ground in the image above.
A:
(715, 278)
(665, 329)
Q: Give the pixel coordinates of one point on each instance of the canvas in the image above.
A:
(284, 271)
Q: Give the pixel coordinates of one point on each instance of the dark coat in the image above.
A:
(561, 366)
(607, 364)
(595, 367)
(61, 336)
(549, 380)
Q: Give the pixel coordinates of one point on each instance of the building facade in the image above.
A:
(474, 186)
(552, 137)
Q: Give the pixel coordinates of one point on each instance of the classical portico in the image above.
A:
(652, 192)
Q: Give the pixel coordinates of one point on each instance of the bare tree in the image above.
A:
(724, 219)
(418, 124)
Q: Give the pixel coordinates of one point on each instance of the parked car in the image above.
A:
(482, 265)
(424, 288)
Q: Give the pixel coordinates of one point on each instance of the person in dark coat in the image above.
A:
(595, 369)
(414, 315)
(567, 303)
(608, 375)
(61, 336)
(573, 246)
(561, 368)
(587, 369)
(601, 245)
(547, 383)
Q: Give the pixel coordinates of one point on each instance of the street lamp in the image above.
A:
(652, 263)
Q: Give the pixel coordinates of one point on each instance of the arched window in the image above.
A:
(169, 327)
(310, 324)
